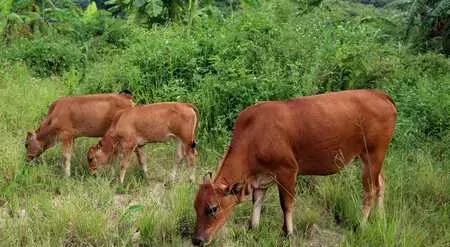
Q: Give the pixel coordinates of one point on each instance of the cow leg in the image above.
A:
(380, 194)
(142, 159)
(187, 136)
(67, 153)
(179, 159)
(180, 154)
(190, 152)
(286, 190)
(125, 163)
(257, 198)
(373, 180)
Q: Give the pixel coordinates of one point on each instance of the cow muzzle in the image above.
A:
(93, 172)
(33, 159)
(198, 240)
(30, 158)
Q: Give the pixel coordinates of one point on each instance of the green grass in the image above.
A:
(42, 208)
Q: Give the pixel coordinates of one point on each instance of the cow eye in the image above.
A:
(212, 210)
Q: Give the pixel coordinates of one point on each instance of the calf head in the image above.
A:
(213, 205)
(96, 158)
(33, 146)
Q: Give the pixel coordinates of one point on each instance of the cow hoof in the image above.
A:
(288, 234)
(251, 227)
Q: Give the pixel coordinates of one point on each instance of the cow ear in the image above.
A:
(29, 134)
(207, 178)
(235, 189)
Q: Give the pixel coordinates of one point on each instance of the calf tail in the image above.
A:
(195, 127)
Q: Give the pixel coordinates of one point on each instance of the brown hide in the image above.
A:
(75, 116)
(135, 127)
(274, 142)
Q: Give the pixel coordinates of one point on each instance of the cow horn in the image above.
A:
(207, 178)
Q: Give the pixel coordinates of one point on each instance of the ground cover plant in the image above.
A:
(222, 57)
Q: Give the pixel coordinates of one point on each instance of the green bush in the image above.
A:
(223, 66)
(46, 57)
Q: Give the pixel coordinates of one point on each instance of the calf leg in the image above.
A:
(180, 154)
(187, 136)
(179, 158)
(190, 153)
(126, 156)
(67, 153)
(257, 198)
(142, 159)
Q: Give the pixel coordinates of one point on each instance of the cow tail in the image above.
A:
(389, 98)
(197, 117)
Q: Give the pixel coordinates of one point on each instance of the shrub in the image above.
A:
(46, 57)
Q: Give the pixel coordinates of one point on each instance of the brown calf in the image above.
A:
(72, 117)
(274, 142)
(135, 127)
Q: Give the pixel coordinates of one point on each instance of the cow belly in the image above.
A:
(325, 164)
(91, 132)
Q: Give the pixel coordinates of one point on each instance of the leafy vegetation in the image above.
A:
(222, 56)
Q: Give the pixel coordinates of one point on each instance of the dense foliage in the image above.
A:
(224, 64)
(223, 56)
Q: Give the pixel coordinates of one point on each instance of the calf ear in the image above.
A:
(29, 134)
(207, 178)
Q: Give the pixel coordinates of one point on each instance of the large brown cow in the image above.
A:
(274, 142)
(133, 128)
(75, 116)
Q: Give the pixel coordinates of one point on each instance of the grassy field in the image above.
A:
(276, 50)
(42, 208)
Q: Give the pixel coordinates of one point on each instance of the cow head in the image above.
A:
(33, 146)
(96, 158)
(213, 205)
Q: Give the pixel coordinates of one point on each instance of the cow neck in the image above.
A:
(108, 144)
(231, 171)
(45, 135)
